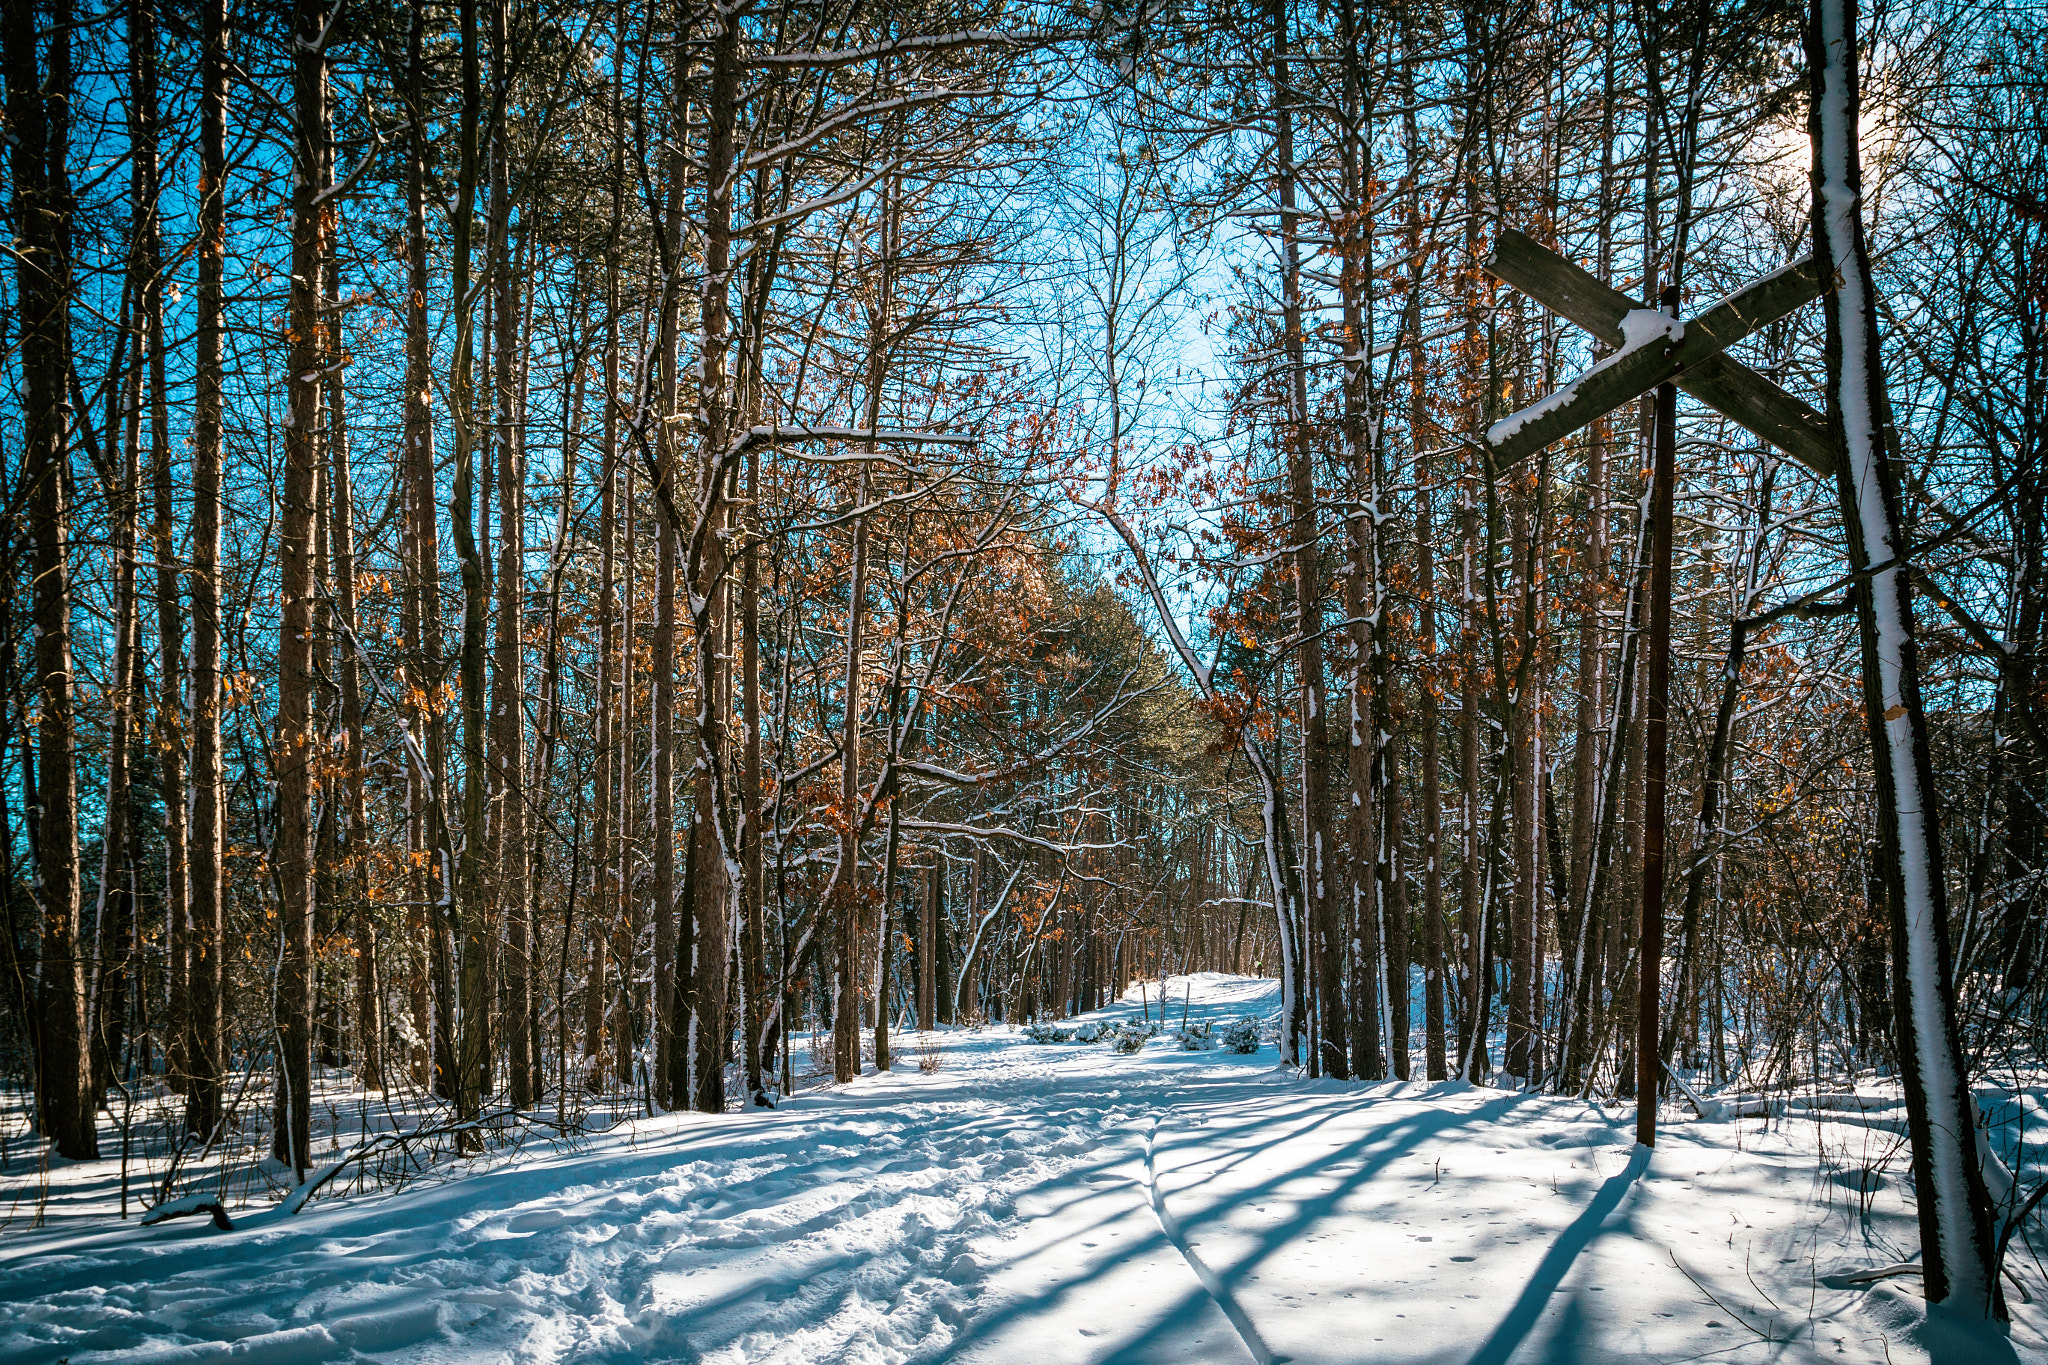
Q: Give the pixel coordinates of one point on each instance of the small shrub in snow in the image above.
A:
(820, 1043)
(1195, 1037)
(1089, 1032)
(1130, 1035)
(1243, 1035)
(1041, 1032)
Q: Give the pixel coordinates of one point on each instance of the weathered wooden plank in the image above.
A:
(1632, 373)
(1522, 262)
(1759, 406)
(1720, 381)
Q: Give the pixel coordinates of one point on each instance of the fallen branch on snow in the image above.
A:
(191, 1203)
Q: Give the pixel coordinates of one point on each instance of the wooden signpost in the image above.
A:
(1652, 349)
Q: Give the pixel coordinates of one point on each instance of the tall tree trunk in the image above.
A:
(196, 956)
(1428, 682)
(113, 923)
(1393, 859)
(672, 990)
(1318, 851)
(508, 692)
(623, 916)
(1954, 1207)
(353, 876)
(39, 118)
(292, 853)
(474, 1053)
(846, 919)
(611, 703)
(433, 882)
(753, 977)
(1580, 924)
(173, 724)
(355, 825)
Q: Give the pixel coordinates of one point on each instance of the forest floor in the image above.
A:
(1057, 1202)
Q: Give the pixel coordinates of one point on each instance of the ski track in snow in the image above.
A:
(1036, 1205)
(1240, 1321)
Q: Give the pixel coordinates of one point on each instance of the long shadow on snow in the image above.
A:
(1521, 1319)
(1158, 1339)
(1376, 1150)
(1379, 1149)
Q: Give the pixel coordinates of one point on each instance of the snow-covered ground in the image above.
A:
(1050, 1203)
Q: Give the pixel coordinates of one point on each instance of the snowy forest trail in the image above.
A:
(1032, 1203)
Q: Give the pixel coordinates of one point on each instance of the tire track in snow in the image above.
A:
(1240, 1321)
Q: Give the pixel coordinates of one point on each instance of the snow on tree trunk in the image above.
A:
(1954, 1208)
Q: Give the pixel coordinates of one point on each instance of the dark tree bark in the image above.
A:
(473, 1049)
(297, 741)
(1318, 846)
(114, 922)
(197, 955)
(508, 692)
(39, 116)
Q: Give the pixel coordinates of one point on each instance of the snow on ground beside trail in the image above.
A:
(1051, 1203)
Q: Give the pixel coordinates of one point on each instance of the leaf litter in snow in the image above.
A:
(1053, 1204)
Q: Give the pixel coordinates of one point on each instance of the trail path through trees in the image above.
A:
(1003, 1209)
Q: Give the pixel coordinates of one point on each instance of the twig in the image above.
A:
(1716, 1302)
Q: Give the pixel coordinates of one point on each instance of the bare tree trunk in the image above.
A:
(928, 951)
(508, 691)
(883, 940)
(291, 858)
(1318, 852)
(671, 1046)
(108, 981)
(39, 120)
(172, 724)
(710, 935)
(672, 989)
(1581, 922)
(846, 919)
(1954, 1207)
(1473, 1060)
(753, 976)
(196, 957)
(608, 837)
(1650, 959)
(1525, 882)
(474, 1054)
(1428, 718)
(1393, 858)
(348, 809)
(431, 988)
(622, 919)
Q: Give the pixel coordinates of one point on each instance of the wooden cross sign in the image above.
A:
(1652, 349)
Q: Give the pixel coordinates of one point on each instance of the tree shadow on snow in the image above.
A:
(1528, 1307)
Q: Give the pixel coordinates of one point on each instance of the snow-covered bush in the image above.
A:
(1039, 1031)
(1130, 1035)
(1243, 1035)
(1089, 1032)
(1195, 1037)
